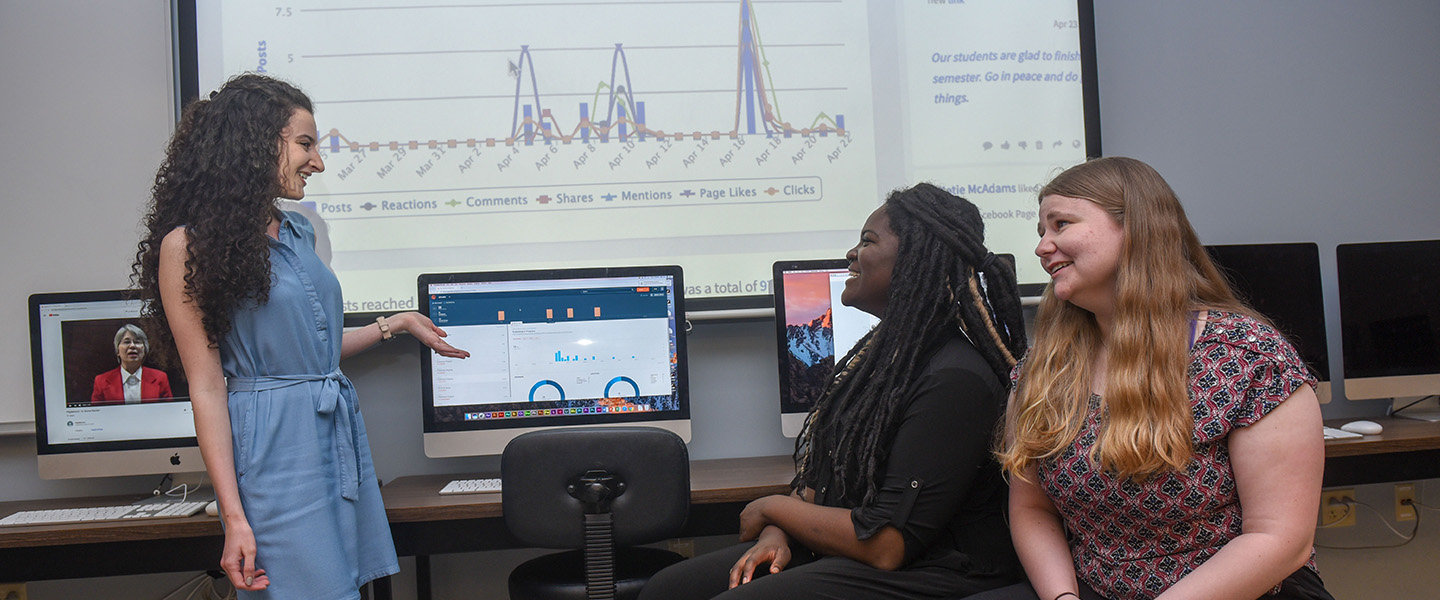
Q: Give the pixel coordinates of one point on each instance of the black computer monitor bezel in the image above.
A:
(791, 420)
(1364, 379)
(682, 385)
(1301, 261)
(779, 268)
(42, 435)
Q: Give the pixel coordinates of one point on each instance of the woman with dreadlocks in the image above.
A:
(896, 494)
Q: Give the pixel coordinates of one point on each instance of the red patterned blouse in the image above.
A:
(1134, 540)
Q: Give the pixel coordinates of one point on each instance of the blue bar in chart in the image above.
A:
(640, 119)
(561, 357)
(584, 121)
(529, 127)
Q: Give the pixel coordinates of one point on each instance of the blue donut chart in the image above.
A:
(557, 387)
(620, 379)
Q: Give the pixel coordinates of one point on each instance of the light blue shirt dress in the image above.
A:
(301, 454)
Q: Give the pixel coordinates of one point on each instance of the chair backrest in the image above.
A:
(537, 469)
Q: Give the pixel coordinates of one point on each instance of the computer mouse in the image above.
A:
(212, 509)
(1363, 427)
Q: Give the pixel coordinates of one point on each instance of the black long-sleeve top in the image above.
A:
(940, 486)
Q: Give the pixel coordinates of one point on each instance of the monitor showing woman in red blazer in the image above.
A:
(144, 384)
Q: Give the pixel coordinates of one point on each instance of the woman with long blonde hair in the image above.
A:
(1162, 439)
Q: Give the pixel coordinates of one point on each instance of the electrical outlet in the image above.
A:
(1404, 502)
(12, 591)
(1337, 508)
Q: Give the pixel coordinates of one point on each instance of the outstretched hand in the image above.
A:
(428, 333)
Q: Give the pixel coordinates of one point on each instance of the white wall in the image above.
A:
(85, 111)
(1274, 121)
(1282, 121)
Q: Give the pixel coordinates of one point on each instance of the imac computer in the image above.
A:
(553, 348)
(88, 421)
(1390, 319)
(1282, 282)
(812, 327)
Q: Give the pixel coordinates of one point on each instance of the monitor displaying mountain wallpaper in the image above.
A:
(816, 328)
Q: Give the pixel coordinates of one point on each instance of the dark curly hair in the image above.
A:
(219, 180)
(944, 281)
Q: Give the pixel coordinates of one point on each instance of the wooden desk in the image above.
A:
(1400, 435)
(426, 523)
(423, 523)
(717, 481)
(106, 548)
(1407, 449)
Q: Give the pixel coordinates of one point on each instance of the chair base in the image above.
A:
(561, 576)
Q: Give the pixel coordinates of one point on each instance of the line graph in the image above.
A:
(577, 49)
(454, 122)
(623, 114)
(752, 61)
(715, 134)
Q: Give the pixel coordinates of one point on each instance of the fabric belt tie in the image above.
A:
(336, 387)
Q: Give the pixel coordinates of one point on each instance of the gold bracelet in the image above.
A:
(385, 334)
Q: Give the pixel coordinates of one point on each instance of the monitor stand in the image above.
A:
(1427, 410)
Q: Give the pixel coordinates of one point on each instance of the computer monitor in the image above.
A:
(1282, 282)
(812, 327)
(553, 348)
(1390, 318)
(87, 424)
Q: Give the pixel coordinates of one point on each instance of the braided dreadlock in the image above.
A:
(943, 279)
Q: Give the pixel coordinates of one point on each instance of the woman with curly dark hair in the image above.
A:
(896, 494)
(256, 319)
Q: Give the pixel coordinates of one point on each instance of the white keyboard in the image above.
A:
(158, 510)
(1332, 433)
(472, 486)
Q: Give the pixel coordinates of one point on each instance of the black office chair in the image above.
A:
(599, 489)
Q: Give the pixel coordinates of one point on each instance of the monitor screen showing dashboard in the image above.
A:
(1282, 282)
(553, 348)
(1390, 318)
(748, 130)
(813, 329)
(102, 407)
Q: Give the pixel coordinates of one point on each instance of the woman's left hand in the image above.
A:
(772, 548)
(427, 332)
(753, 519)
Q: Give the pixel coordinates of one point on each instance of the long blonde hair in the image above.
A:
(1164, 274)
